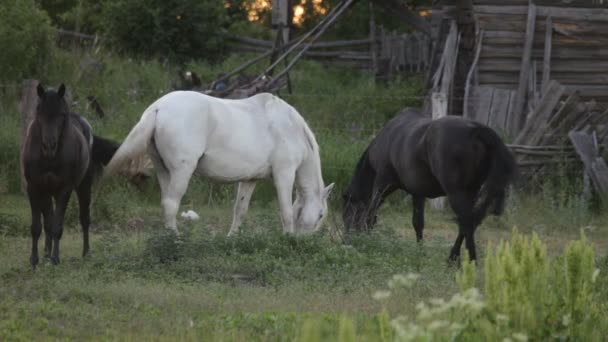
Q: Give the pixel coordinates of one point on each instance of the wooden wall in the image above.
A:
(579, 44)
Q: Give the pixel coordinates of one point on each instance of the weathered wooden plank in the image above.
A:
(489, 50)
(466, 110)
(560, 134)
(547, 55)
(525, 68)
(510, 119)
(549, 127)
(568, 78)
(499, 109)
(587, 14)
(571, 65)
(541, 113)
(515, 38)
(483, 99)
(595, 166)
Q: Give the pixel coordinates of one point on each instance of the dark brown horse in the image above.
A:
(60, 154)
(454, 157)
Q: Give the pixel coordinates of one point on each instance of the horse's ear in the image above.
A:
(40, 90)
(61, 90)
(327, 190)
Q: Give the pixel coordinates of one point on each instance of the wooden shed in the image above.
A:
(519, 46)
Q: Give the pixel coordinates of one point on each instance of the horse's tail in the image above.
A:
(502, 172)
(103, 150)
(135, 144)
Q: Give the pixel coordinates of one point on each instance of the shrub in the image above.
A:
(79, 15)
(527, 295)
(178, 30)
(25, 40)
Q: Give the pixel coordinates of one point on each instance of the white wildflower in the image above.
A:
(596, 273)
(381, 295)
(520, 337)
(566, 320)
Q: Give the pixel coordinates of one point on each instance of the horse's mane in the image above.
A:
(361, 185)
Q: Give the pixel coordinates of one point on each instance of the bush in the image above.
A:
(79, 15)
(178, 30)
(527, 295)
(25, 40)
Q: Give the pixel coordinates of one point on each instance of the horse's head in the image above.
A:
(309, 213)
(51, 113)
(356, 213)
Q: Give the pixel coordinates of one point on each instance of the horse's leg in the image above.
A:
(36, 228)
(462, 204)
(178, 184)
(381, 189)
(84, 201)
(162, 174)
(47, 214)
(241, 205)
(283, 181)
(61, 200)
(418, 216)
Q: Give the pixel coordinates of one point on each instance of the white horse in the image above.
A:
(231, 141)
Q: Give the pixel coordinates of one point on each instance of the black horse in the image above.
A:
(451, 156)
(60, 154)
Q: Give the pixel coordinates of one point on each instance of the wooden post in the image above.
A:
(27, 107)
(280, 18)
(466, 112)
(373, 39)
(464, 55)
(547, 55)
(520, 99)
(442, 89)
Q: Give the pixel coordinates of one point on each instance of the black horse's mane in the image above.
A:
(360, 188)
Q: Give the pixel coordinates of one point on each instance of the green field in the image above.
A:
(139, 284)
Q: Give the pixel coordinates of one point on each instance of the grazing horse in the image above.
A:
(228, 141)
(451, 156)
(60, 154)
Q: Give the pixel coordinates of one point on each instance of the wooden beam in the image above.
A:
(520, 99)
(280, 18)
(472, 70)
(373, 47)
(541, 113)
(547, 55)
(586, 14)
(309, 44)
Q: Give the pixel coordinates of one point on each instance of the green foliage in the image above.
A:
(177, 30)
(78, 15)
(25, 40)
(545, 298)
(527, 296)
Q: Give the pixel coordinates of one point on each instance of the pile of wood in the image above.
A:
(544, 139)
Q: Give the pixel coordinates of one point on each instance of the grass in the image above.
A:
(139, 283)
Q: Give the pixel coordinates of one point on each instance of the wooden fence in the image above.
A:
(385, 52)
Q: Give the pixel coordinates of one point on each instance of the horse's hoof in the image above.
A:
(34, 261)
(453, 261)
(55, 260)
